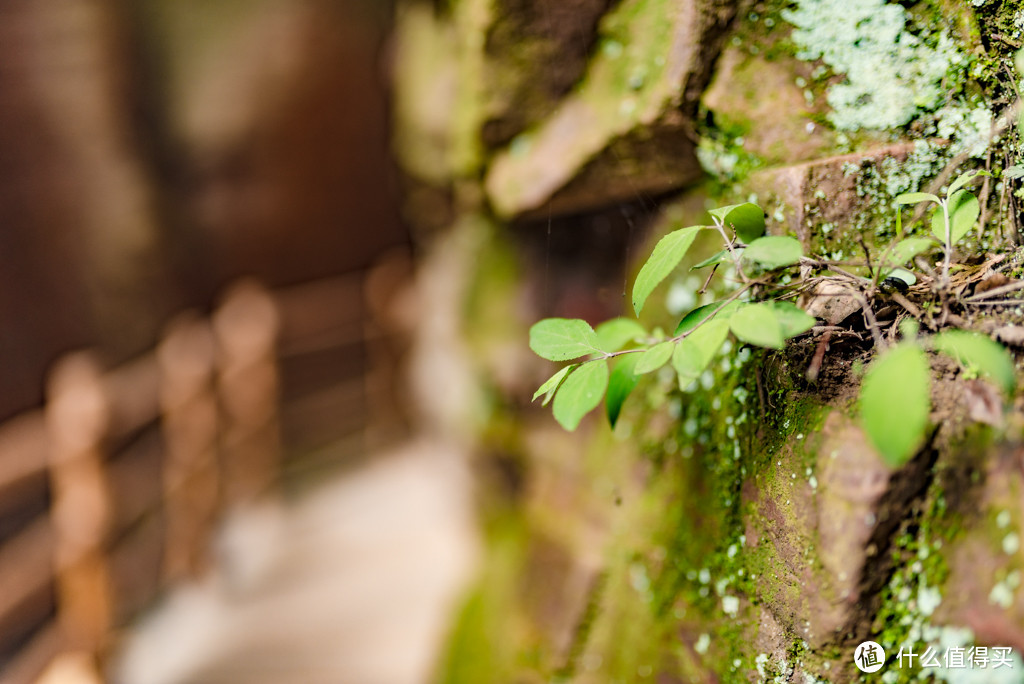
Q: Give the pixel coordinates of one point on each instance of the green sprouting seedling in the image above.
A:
(894, 400)
(608, 361)
(954, 216)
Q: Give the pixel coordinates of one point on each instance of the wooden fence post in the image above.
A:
(246, 327)
(189, 415)
(77, 416)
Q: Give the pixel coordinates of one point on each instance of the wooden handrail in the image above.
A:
(23, 449)
(204, 404)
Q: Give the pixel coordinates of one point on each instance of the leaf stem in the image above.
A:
(728, 245)
(725, 302)
(945, 260)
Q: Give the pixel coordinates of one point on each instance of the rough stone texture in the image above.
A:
(825, 544)
(524, 34)
(624, 130)
(620, 593)
(818, 192)
(760, 96)
(987, 555)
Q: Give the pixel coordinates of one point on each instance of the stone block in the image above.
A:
(625, 131)
(759, 95)
(534, 52)
(817, 200)
(822, 515)
(983, 590)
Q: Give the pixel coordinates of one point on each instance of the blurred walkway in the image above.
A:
(356, 583)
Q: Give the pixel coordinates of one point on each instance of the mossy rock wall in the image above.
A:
(743, 529)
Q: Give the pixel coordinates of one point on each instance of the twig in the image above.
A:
(996, 291)
(728, 300)
(819, 356)
(728, 246)
(732, 297)
(985, 189)
(760, 394)
(910, 307)
(869, 318)
(867, 254)
(1002, 302)
(947, 246)
(704, 288)
(832, 267)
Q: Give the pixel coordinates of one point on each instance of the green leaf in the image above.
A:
(695, 317)
(774, 251)
(580, 393)
(694, 352)
(666, 256)
(964, 179)
(792, 319)
(915, 197)
(717, 258)
(894, 403)
(721, 212)
(904, 275)
(614, 334)
(905, 250)
(621, 383)
(747, 220)
(990, 358)
(654, 358)
(757, 324)
(963, 212)
(1015, 171)
(550, 385)
(562, 339)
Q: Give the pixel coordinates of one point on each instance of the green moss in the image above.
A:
(625, 88)
(492, 619)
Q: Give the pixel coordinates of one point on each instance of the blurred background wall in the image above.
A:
(154, 150)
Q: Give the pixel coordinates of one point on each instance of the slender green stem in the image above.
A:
(949, 247)
(728, 300)
(728, 245)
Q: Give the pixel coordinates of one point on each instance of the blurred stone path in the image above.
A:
(355, 583)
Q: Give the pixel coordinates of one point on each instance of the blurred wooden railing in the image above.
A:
(109, 492)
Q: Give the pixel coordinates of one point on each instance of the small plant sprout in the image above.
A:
(608, 361)
(956, 212)
(894, 402)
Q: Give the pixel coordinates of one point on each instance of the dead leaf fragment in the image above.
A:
(990, 283)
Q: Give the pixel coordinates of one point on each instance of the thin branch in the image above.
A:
(725, 302)
(819, 355)
(728, 300)
(869, 318)
(1002, 302)
(996, 291)
(728, 245)
(707, 282)
(910, 307)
